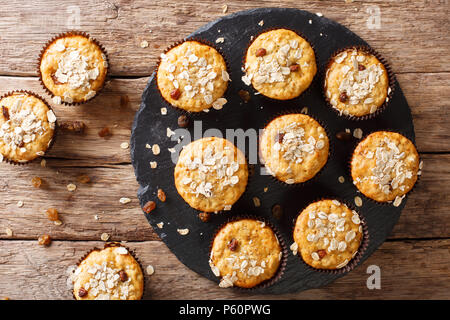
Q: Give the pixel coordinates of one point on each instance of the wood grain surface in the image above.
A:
(413, 36)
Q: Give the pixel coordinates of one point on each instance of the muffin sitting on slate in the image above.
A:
(245, 253)
(280, 64)
(356, 83)
(328, 234)
(211, 174)
(108, 274)
(27, 127)
(73, 68)
(294, 148)
(385, 166)
(193, 76)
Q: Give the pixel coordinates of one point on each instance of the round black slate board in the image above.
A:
(150, 127)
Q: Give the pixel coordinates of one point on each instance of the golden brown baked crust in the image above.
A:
(280, 64)
(255, 257)
(328, 234)
(211, 174)
(356, 83)
(294, 148)
(385, 166)
(99, 275)
(73, 68)
(198, 72)
(27, 127)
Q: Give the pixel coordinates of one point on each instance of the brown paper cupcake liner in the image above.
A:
(318, 174)
(362, 247)
(110, 245)
(191, 114)
(55, 130)
(307, 90)
(349, 168)
(62, 35)
(281, 268)
(391, 87)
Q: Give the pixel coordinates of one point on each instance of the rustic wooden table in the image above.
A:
(412, 35)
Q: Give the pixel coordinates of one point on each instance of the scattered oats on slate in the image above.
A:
(183, 232)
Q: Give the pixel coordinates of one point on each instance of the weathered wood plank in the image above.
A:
(425, 215)
(427, 96)
(122, 25)
(409, 270)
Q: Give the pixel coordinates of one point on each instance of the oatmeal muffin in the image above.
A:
(27, 127)
(109, 274)
(280, 64)
(327, 234)
(211, 174)
(294, 148)
(193, 76)
(245, 253)
(73, 68)
(356, 83)
(385, 166)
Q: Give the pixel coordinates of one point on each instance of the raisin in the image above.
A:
(204, 216)
(149, 206)
(279, 137)
(183, 121)
(343, 97)
(175, 94)
(82, 293)
(52, 214)
(5, 112)
(344, 135)
(294, 67)
(84, 179)
(161, 195)
(321, 253)
(232, 245)
(105, 132)
(361, 67)
(245, 95)
(277, 211)
(73, 126)
(45, 240)
(260, 52)
(123, 276)
(36, 182)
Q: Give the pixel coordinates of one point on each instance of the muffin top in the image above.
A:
(193, 76)
(327, 234)
(294, 148)
(27, 127)
(385, 166)
(108, 274)
(280, 64)
(356, 83)
(245, 253)
(211, 174)
(73, 68)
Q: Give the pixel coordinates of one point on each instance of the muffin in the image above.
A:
(27, 127)
(73, 68)
(294, 148)
(211, 174)
(109, 274)
(193, 76)
(385, 166)
(279, 64)
(328, 234)
(245, 253)
(356, 83)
